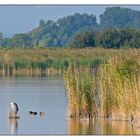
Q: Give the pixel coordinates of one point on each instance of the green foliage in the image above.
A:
(118, 28)
(23, 40)
(110, 38)
(24, 59)
(42, 23)
(1, 38)
(7, 42)
(119, 38)
(85, 39)
(96, 62)
(117, 17)
(128, 68)
(59, 33)
(50, 33)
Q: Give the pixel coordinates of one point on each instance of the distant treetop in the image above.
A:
(81, 29)
(117, 17)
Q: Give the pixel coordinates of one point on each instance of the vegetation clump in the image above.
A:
(109, 89)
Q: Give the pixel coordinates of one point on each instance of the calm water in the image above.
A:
(47, 95)
(35, 94)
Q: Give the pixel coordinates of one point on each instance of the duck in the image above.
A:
(34, 113)
(30, 112)
(41, 114)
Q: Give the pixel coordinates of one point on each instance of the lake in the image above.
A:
(48, 95)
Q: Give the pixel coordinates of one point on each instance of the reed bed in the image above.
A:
(49, 61)
(110, 88)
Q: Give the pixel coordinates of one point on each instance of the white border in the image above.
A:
(36, 2)
(70, 137)
(73, 2)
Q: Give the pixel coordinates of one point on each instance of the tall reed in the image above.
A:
(109, 89)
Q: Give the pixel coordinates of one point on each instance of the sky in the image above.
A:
(23, 18)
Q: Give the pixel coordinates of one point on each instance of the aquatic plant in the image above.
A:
(109, 89)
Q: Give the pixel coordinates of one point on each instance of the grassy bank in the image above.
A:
(45, 61)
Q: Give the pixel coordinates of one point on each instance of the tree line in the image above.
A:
(118, 27)
(110, 38)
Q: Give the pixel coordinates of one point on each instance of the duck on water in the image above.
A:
(41, 114)
(32, 113)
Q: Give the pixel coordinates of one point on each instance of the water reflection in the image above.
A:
(76, 126)
(100, 127)
(13, 124)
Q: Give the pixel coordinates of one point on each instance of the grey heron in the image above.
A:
(13, 110)
(131, 118)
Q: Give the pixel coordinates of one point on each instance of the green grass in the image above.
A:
(40, 61)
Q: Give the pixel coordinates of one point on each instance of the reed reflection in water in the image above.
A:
(100, 127)
(13, 124)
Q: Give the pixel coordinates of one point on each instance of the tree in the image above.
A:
(42, 23)
(118, 38)
(134, 42)
(7, 42)
(109, 38)
(117, 17)
(85, 39)
(22, 40)
(1, 38)
(59, 33)
(43, 43)
(114, 31)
